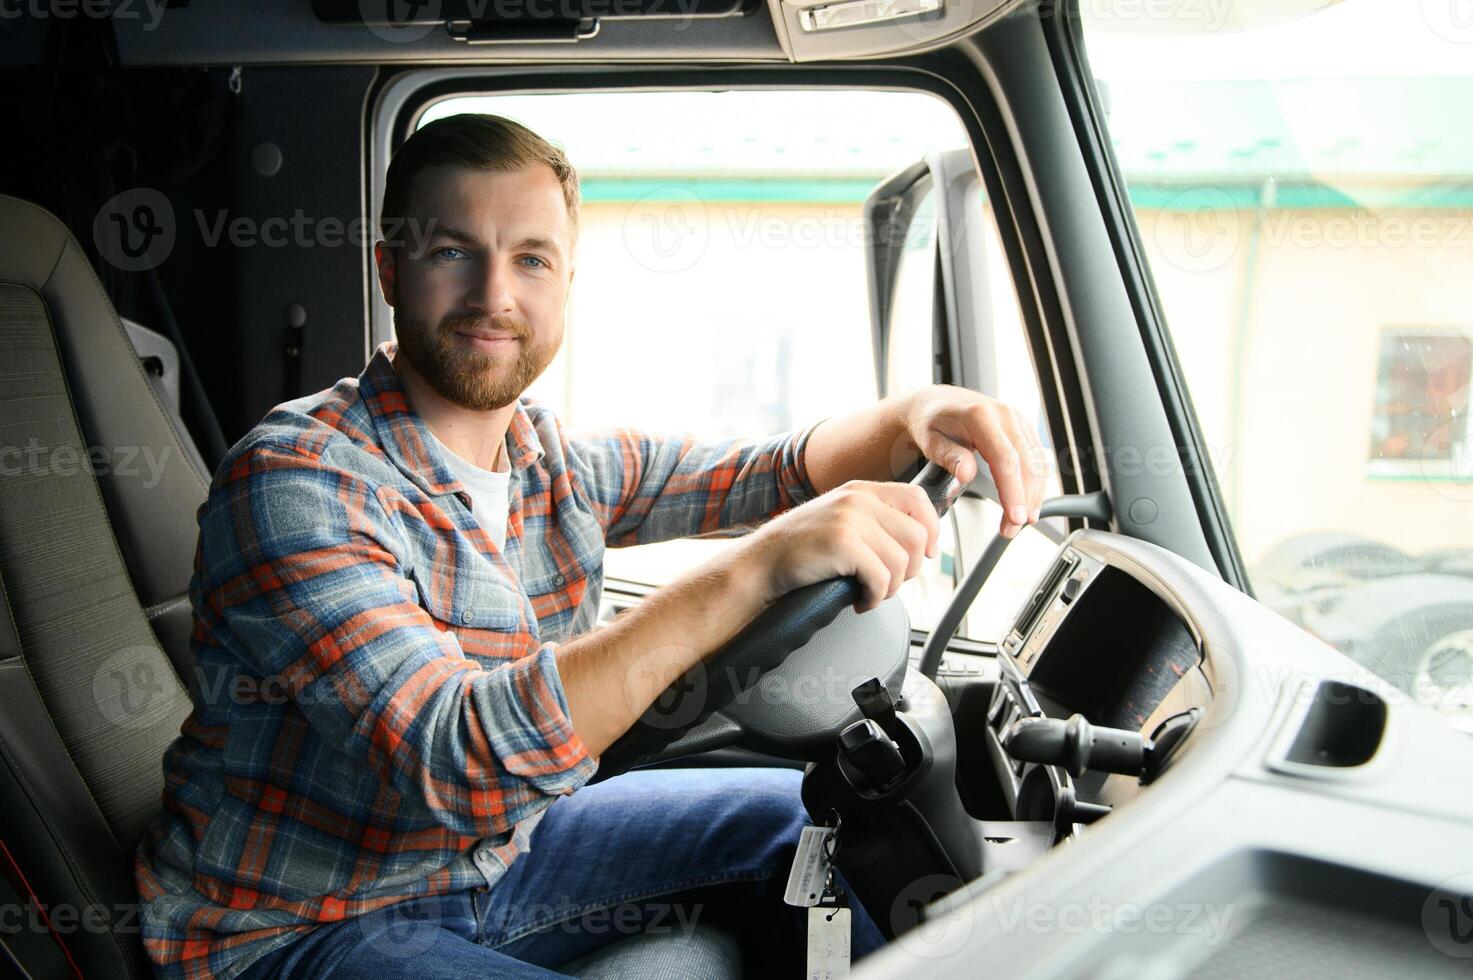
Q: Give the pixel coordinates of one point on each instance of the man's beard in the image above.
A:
(471, 378)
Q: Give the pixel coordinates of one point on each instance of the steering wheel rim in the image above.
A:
(783, 627)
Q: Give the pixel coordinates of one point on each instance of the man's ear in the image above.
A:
(384, 257)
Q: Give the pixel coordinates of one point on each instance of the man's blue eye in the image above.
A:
(534, 258)
(444, 252)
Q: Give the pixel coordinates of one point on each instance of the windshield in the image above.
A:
(1302, 187)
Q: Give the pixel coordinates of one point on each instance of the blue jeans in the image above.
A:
(655, 849)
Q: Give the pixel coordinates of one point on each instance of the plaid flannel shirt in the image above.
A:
(379, 714)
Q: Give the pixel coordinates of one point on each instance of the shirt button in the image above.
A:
(467, 616)
(559, 579)
(484, 855)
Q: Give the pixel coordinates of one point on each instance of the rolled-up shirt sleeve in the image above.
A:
(304, 585)
(646, 488)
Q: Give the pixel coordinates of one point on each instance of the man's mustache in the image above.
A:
(476, 321)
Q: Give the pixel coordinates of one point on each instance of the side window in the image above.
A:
(910, 360)
(921, 347)
(1308, 225)
(721, 282)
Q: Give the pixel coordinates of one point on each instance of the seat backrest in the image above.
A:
(98, 496)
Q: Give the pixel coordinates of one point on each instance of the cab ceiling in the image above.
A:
(290, 32)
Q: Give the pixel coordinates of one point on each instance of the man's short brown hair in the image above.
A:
(479, 141)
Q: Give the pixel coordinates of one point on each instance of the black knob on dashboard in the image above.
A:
(1076, 745)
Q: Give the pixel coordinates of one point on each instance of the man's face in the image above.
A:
(480, 281)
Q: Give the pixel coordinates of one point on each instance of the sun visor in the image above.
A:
(513, 21)
(813, 30)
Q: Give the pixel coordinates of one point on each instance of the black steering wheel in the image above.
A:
(721, 699)
(820, 649)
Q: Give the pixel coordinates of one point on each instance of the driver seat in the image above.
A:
(99, 485)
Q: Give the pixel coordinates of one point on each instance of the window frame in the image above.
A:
(401, 98)
(1064, 31)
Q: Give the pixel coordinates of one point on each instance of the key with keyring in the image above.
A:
(811, 883)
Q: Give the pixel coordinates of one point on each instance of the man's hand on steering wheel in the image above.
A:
(744, 612)
(877, 532)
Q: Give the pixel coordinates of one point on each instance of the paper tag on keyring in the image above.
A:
(828, 943)
(810, 867)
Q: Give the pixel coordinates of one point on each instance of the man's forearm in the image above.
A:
(611, 675)
(870, 444)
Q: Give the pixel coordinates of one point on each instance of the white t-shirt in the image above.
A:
(488, 489)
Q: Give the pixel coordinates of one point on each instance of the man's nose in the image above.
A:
(491, 290)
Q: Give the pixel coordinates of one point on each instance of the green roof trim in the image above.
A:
(1236, 196)
(1147, 194)
(735, 190)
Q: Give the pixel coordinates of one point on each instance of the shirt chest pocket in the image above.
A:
(462, 595)
(559, 558)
